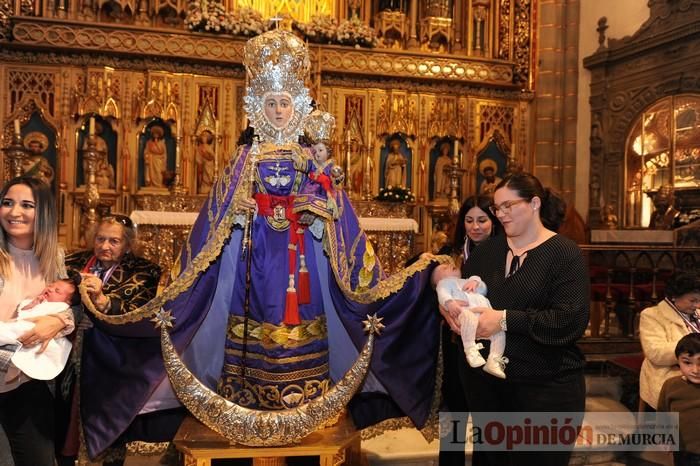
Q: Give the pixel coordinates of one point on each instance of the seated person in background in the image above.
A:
(470, 293)
(36, 361)
(681, 394)
(660, 328)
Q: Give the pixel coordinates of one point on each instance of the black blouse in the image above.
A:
(547, 302)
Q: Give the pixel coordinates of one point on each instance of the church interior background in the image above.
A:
(134, 106)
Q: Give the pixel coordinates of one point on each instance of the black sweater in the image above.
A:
(547, 302)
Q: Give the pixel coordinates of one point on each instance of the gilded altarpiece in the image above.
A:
(156, 77)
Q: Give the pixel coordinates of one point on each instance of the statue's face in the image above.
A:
(36, 147)
(320, 152)
(279, 108)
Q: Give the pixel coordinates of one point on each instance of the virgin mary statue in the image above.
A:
(273, 322)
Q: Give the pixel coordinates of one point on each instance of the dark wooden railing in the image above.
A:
(625, 279)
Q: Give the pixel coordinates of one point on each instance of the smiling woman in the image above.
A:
(29, 259)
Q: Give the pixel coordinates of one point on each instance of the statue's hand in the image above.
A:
(307, 218)
(247, 204)
(301, 160)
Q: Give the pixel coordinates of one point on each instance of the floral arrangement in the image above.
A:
(395, 194)
(354, 32)
(322, 29)
(211, 16)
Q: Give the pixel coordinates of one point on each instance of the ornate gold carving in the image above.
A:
(522, 51)
(446, 120)
(383, 209)
(436, 34)
(397, 114)
(169, 203)
(161, 244)
(77, 36)
(81, 37)
(504, 30)
(40, 84)
(264, 428)
(491, 116)
(391, 27)
(414, 66)
(394, 248)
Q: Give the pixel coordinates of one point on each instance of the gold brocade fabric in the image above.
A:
(270, 335)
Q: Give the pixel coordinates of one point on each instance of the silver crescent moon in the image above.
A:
(264, 428)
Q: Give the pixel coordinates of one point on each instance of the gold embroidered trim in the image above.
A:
(231, 369)
(383, 288)
(266, 357)
(270, 397)
(270, 335)
(431, 429)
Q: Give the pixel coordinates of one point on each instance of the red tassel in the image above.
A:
(304, 288)
(291, 306)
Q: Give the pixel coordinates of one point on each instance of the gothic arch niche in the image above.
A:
(662, 150)
(632, 80)
(491, 163)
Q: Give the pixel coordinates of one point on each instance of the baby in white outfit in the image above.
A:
(55, 298)
(450, 287)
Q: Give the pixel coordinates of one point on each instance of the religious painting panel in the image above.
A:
(106, 140)
(440, 162)
(491, 164)
(157, 146)
(395, 160)
(39, 139)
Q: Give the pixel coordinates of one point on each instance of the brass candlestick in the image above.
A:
(456, 172)
(16, 154)
(92, 156)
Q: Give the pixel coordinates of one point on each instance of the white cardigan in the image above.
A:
(660, 328)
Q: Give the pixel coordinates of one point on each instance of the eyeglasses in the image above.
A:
(118, 218)
(506, 206)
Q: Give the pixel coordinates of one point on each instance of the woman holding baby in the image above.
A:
(29, 259)
(537, 284)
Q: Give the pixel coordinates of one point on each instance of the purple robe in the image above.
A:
(288, 364)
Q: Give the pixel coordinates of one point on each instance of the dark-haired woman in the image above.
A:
(538, 286)
(29, 259)
(660, 328)
(475, 224)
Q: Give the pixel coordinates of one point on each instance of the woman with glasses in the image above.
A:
(538, 287)
(29, 259)
(113, 384)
